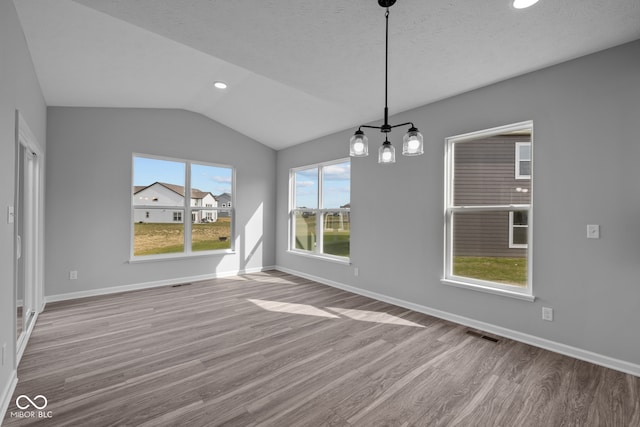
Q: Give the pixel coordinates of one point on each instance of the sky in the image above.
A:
(218, 180)
(214, 179)
(336, 186)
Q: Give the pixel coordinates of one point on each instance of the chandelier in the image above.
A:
(412, 143)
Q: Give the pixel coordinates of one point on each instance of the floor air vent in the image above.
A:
(481, 335)
(181, 284)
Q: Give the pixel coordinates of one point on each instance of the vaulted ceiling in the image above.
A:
(301, 69)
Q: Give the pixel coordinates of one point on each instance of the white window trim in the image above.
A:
(518, 160)
(448, 278)
(187, 209)
(319, 212)
(511, 227)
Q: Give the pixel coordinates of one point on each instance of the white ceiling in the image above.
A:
(301, 69)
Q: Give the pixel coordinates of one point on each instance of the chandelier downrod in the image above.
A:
(385, 127)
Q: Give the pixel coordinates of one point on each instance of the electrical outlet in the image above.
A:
(73, 275)
(547, 314)
(355, 271)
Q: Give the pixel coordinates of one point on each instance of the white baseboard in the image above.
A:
(567, 350)
(7, 393)
(148, 285)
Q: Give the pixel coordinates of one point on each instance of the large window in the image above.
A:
(320, 209)
(165, 192)
(488, 210)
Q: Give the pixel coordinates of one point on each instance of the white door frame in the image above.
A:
(30, 246)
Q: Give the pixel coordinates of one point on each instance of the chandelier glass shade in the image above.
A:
(412, 143)
(386, 153)
(359, 145)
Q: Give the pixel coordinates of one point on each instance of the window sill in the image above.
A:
(489, 290)
(174, 257)
(338, 260)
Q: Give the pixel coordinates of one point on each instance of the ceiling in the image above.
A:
(301, 69)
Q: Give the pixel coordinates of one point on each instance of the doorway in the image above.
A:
(28, 232)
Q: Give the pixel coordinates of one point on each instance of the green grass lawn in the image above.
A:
(336, 235)
(512, 271)
(336, 243)
(166, 238)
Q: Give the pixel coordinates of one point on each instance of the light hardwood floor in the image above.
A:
(271, 349)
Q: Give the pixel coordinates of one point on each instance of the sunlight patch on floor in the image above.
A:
(373, 316)
(288, 307)
(333, 312)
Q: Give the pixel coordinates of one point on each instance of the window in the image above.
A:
(518, 229)
(165, 192)
(488, 210)
(320, 209)
(523, 160)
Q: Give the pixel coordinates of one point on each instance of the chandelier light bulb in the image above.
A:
(358, 147)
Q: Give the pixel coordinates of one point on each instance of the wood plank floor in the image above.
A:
(271, 349)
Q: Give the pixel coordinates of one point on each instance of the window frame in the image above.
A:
(518, 160)
(319, 212)
(186, 210)
(448, 278)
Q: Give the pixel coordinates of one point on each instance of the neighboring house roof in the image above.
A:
(179, 189)
(347, 206)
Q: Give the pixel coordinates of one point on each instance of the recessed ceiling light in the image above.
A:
(523, 4)
(220, 85)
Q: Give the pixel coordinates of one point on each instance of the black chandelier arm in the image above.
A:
(403, 124)
(386, 127)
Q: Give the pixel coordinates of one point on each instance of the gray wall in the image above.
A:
(19, 89)
(586, 151)
(89, 194)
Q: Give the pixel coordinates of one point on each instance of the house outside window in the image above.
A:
(165, 191)
(488, 210)
(320, 205)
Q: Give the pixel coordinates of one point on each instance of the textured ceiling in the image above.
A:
(300, 69)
